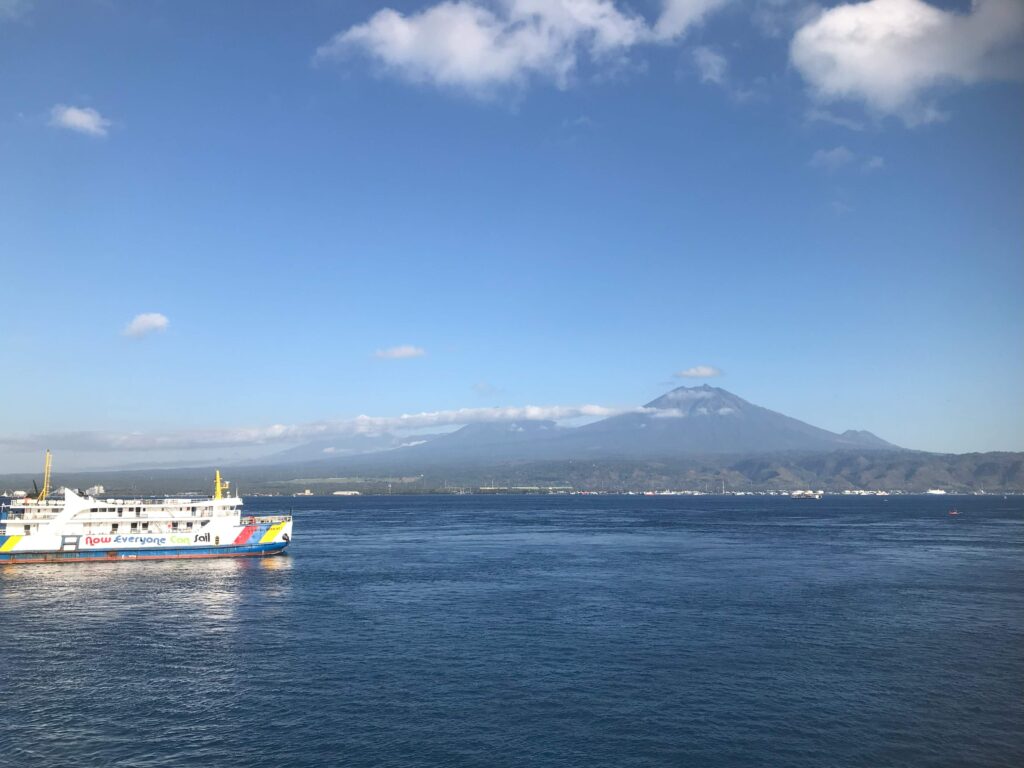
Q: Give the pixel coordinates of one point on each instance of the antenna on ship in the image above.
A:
(46, 476)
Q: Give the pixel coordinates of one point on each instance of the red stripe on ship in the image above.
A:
(246, 534)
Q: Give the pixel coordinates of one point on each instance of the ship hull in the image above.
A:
(143, 553)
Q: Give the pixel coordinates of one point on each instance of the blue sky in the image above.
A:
(549, 203)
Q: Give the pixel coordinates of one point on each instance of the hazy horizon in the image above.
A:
(105, 450)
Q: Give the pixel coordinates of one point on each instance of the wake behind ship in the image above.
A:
(84, 528)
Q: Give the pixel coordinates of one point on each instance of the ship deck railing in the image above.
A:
(257, 519)
(29, 502)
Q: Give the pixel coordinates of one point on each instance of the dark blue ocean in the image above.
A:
(538, 631)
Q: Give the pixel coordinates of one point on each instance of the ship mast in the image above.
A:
(220, 487)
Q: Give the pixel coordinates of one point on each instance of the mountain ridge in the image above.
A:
(685, 421)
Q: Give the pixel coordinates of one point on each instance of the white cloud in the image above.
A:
(82, 119)
(890, 54)
(713, 66)
(146, 323)
(699, 372)
(480, 46)
(276, 433)
(400, 352)
(831, 159)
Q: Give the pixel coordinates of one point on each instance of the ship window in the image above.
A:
(138, 511)
(188, 524)
(120, 512)
(145, 526)
(174, 525)
(113, 528)
(28, 529)
(135, 526)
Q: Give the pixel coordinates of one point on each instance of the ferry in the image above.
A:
(82, 528)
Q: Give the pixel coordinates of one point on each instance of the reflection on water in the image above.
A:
(214, 588)
(278, 563)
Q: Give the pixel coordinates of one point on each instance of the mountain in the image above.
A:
(691, 437)
(688, 421)
(490, 441)
(864, 439)
(710, 420)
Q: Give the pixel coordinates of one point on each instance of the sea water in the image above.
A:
(538, 631)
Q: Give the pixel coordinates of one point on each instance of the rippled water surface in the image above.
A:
(538, 631)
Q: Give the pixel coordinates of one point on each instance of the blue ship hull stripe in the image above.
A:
(143, 553)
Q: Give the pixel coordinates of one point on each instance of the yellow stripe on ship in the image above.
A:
(9, 544)
(272, 533)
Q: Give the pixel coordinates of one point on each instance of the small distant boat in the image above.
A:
(953, 512)
(806, 494)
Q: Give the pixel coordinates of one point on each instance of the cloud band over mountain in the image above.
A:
(280, 433)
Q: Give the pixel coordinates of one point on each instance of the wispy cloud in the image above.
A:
(874, 163)
(400, 352)
(890, 54)
(278, 433)
(582, 122)
(699, 372)
(819, 115)
(478, 47)
(831, 159)
(837, 158)
(485, 389)
(81, 119)
(14, 9)
(677, 16)
(146, 323)
(712, 66)
(778, 18)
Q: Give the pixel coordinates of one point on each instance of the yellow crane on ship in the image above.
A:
(47, 466)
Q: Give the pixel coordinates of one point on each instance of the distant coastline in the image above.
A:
(900, 472)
